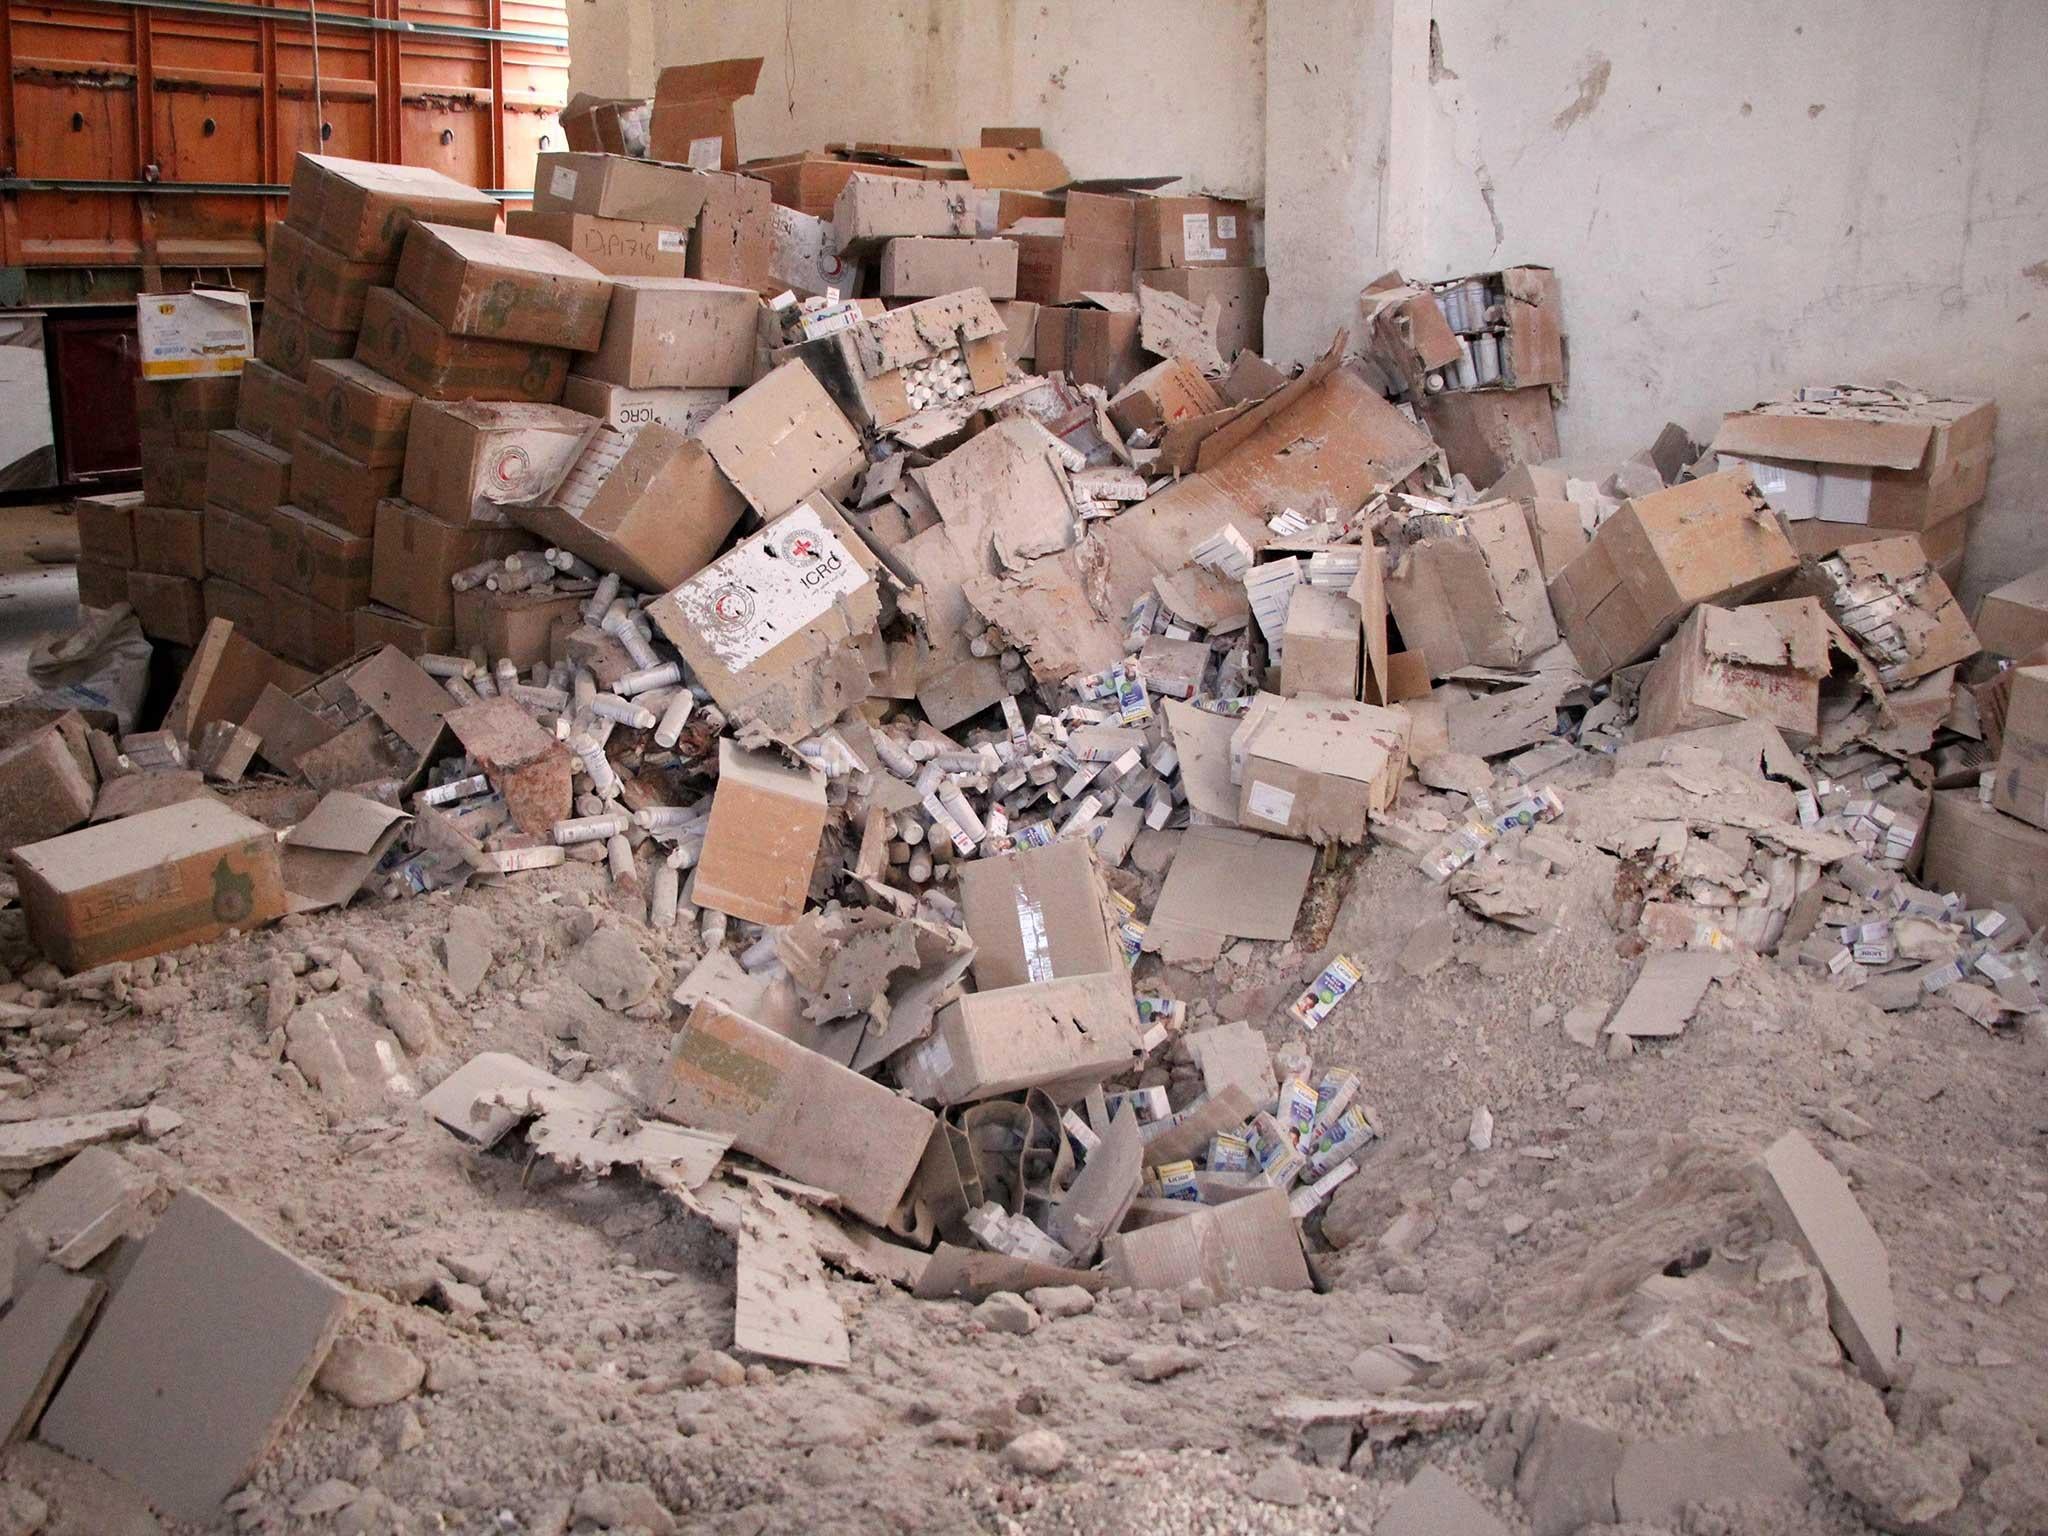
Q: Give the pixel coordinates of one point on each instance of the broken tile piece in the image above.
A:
(1434, 1504)
(1815, 1209)
(199, 1356)
(1657, 1479)
(28, 1144)
(1666, 993)
(75, 1214)
(38, 1336)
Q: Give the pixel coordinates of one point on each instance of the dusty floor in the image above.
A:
(1600, 1261)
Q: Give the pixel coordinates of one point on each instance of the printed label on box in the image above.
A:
(1037, 948)
(707, 154)
(767, 590)
(1269, 802)
(1194, 238)
(193, 335)
(1226, 226)
(671, 239)
(562, 183)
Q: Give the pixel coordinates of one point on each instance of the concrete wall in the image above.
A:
(1140, 87)
(1740, 197)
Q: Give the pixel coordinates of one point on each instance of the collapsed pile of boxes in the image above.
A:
(643, 535)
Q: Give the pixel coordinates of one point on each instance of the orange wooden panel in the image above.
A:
(230, 99)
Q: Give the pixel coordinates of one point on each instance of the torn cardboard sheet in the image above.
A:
(1204, 599)
(1755, 748)
(1226, 883)
(328, 856)
(1249, 1244)
(1171, 326)
(1233, 1055)
(796, 1111)
(467, 1100)
(1202, 741)
(974, 1275)
(1666, 993)
(1043, 610)
(578, 1130)
(1001, 486)
(1095, 1203)
(1491, 723)
(768, 999)
(783, 1309)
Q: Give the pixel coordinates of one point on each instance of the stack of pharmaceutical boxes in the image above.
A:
(387, 286)
(145, 549)
(1118, 242)
(293, 491)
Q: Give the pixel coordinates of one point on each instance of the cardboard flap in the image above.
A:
(916, 331)
(345, 823)
(1233, 884)
(1825, 439)
(327, 856)
(1224, 439)
(719, 80)
(400, 693)
(1016, 170)
(1743, 635)
(1369, 591)
(1116, 184)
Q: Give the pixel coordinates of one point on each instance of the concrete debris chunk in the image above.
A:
(28, 1144)
(1658, 1479)
(1814, 1208)
(1666, 993)
(38, 1336)
(196, 1360)
(75, 1215)
(1432, 1503)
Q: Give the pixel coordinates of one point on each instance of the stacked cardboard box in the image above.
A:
(1483, 357)
(193, 349)
(106, 547)
(647, 218)
(1847, 465)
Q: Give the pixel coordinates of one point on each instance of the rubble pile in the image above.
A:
(946, 721)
